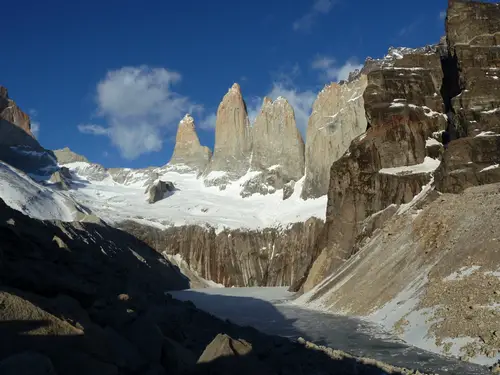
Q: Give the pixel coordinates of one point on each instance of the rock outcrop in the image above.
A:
(11, 113)
(66, 156)
(188, 151)
(158, 190)
(268, 257)
(338, 117)
(277, 148)
(233, 143)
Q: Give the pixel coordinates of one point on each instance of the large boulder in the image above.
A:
(338, 116)
(188, 151)
(61, 178)
(159, 190)
(233, 143)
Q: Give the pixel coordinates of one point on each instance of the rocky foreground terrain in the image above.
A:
(80, 298)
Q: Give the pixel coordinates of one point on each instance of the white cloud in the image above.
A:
(35, 128)
(93, 129)
(330, 71)
(208, 122)
(442, 15)
(320, 7)
(140, 108)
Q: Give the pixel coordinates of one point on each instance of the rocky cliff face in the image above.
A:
(391, 162)
(233, 143)
(277, 148)
(473, 96)
(188, 151)
(338, 117)
(269, 257)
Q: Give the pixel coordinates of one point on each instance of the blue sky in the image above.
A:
(111, 79)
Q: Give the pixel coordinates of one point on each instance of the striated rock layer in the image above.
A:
(473, 96)
(233, 142)
(188, 151)
(338, 117)
(269, 257)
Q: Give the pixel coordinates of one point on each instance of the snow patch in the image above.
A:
(429, 165)
(495, 166)
(462, 273)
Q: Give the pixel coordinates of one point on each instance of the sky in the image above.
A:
(112, 79)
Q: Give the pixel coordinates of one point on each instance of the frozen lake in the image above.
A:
(269, 310)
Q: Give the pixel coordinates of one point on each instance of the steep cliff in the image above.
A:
(188, 151)
(233, 143)
(268, 257)
(277, 149)
(392, 161)
(338, 117)
(473, 65)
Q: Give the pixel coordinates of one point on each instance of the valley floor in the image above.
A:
(270, 310)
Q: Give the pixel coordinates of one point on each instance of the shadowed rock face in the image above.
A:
(337, 118)
(473, 36)
(188, 150)
(268, 257)
(233, 142)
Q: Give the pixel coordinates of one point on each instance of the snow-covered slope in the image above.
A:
(22, 193)
(191, 203)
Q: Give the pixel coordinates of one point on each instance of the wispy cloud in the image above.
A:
(442, 15)
(410, 28)
(93, 129)
(307, 21)
(208, 122)
(139, 107)
(329, 70)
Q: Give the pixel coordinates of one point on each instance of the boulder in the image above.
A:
(233, 143)
(61, 178)
(188, 151)
(224, 346)
(159, 190)
(288, 190)
(176, 359)
(338, 117)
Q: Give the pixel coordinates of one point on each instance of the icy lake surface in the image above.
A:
(270, 311)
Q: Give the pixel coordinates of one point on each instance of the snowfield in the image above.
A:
(23, 194)
(191, 203)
